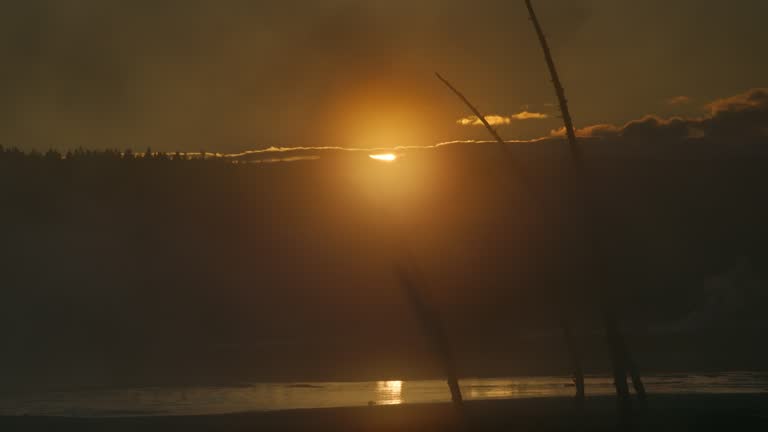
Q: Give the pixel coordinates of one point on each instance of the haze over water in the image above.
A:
(286, 396)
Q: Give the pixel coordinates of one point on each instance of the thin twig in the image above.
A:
(476, 112)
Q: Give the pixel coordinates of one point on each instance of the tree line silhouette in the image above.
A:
(16, 154)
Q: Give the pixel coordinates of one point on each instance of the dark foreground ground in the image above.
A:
(665, 413)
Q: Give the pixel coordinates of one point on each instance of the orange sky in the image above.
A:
(232, 75)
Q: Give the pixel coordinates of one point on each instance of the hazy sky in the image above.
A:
(230, 75)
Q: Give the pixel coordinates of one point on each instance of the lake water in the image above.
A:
(282, 396)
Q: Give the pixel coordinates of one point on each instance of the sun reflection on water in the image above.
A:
(389, 392)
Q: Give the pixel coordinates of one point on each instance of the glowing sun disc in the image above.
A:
(387, 157)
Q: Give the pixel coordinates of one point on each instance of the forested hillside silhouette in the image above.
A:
(135, 269)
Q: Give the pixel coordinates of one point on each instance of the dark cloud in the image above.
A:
(738, 117)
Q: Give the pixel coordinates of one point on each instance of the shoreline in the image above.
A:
(665, 412)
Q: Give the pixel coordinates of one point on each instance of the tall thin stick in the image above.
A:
(576, 152)
(573, 349)
(620, 355)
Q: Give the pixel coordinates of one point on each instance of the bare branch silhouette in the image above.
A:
(477, 113)
(574, 350)
(620, 354)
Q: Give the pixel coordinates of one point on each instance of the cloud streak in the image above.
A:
(500, 120)
(493, 120)
(679, 100)
(739, 118)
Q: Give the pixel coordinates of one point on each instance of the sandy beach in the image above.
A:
(748, 412)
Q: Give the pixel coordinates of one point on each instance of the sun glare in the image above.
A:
(387, 157)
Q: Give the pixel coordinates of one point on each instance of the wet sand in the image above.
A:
(748, 412)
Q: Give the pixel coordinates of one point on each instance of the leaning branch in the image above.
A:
(487, 125)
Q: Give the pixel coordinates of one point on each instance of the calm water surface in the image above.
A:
(282, 396)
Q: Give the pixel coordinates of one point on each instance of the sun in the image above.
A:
(385, 157)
